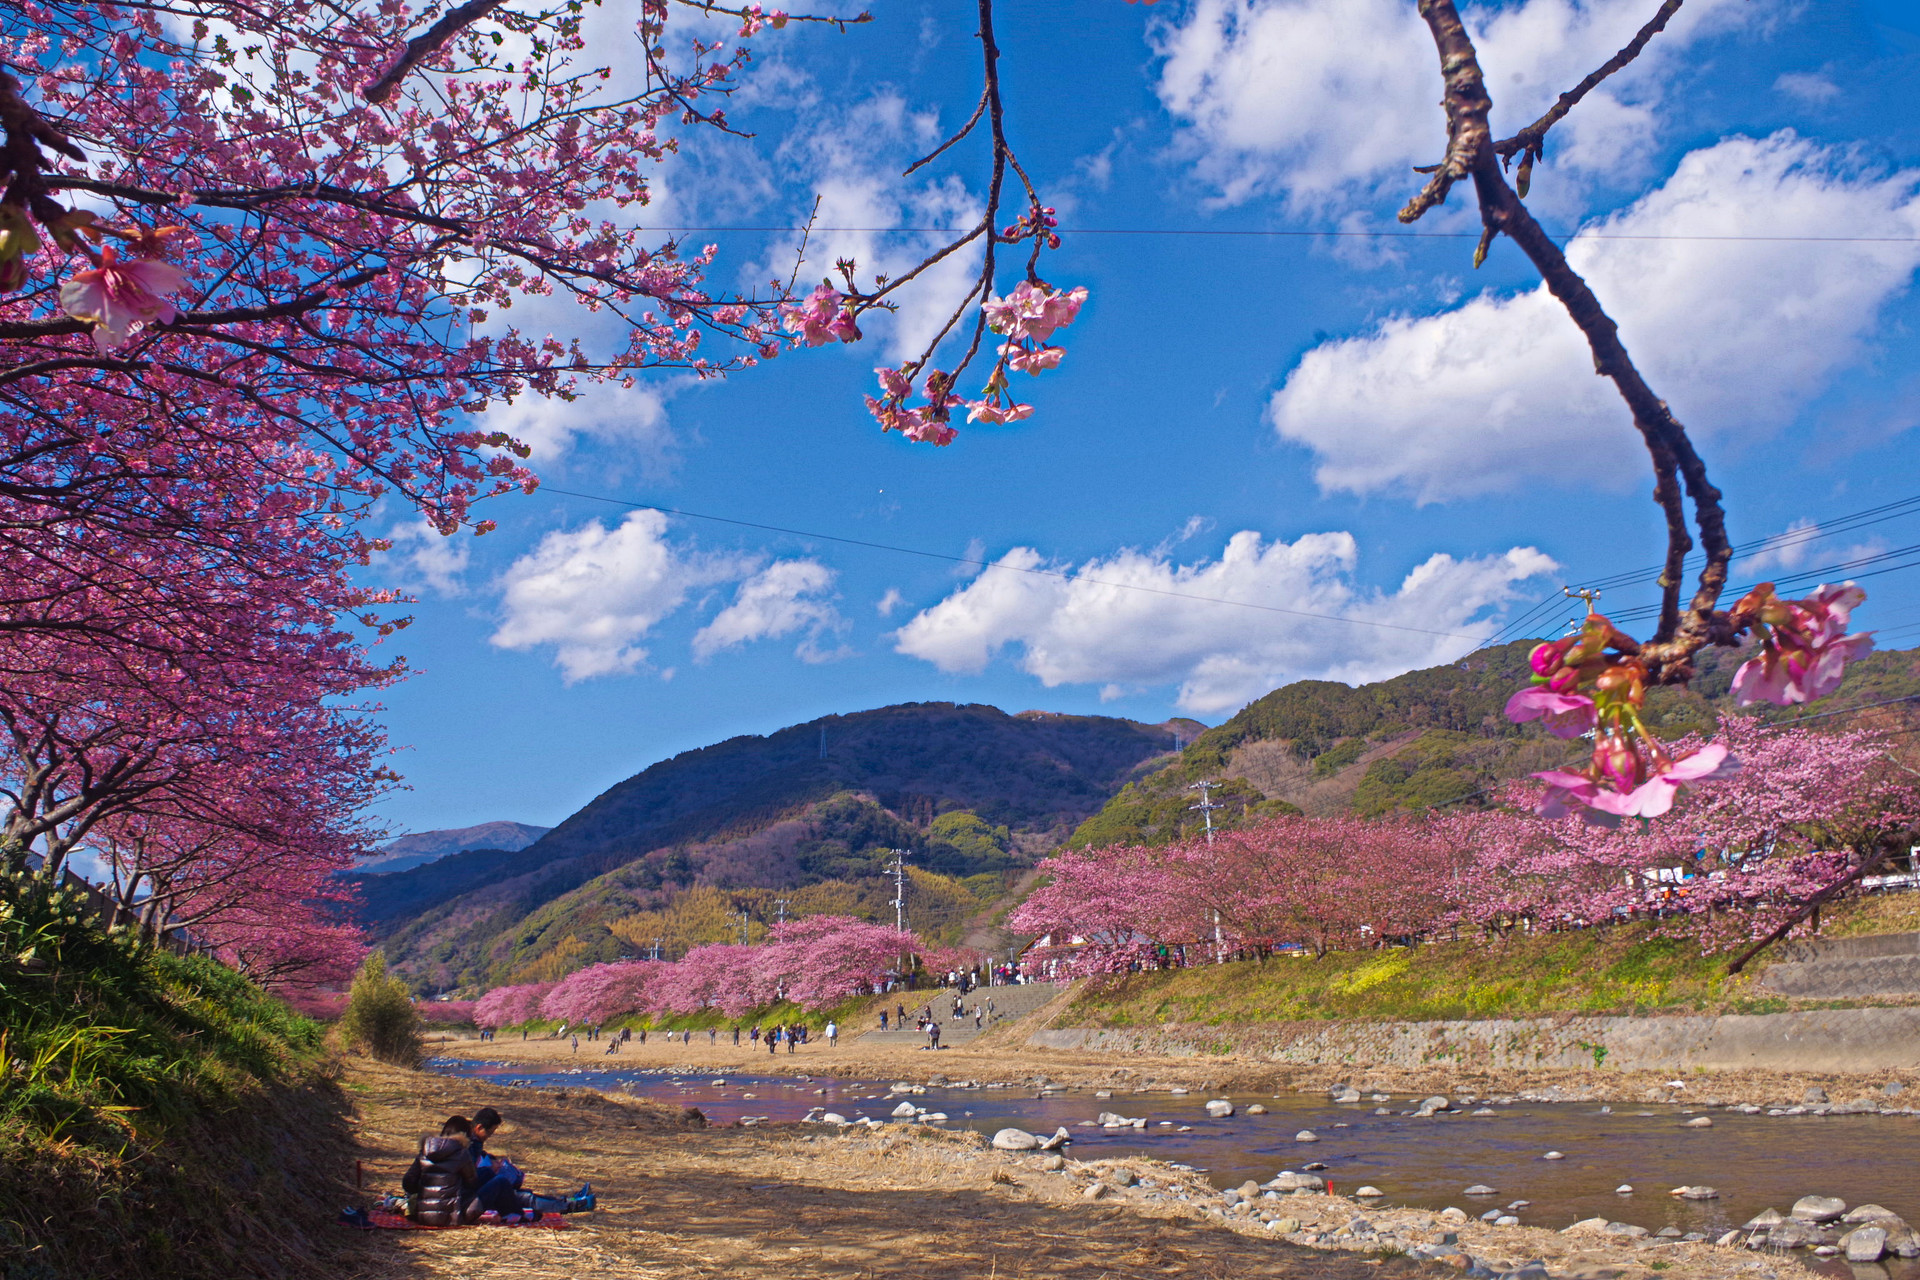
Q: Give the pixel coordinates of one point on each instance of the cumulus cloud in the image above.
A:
(425, 559)
(1323, 101)
(850, 155)
(1128, 621)
(1737, 333)
(630, 419)
(781, 599)
(594, 593)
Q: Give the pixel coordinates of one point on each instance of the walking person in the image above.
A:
(833, 1035)
(576, 1044)
(883, 1019)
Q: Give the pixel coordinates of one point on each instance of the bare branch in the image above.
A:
(1530, 138)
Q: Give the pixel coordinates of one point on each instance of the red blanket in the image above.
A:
(394, 1222)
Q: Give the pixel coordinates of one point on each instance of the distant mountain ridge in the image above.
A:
(422, 847)
(778, 811)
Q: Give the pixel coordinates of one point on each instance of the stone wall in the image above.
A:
(1824, 1040)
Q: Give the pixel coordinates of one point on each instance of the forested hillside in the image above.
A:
(1430, 737)
(973, 794)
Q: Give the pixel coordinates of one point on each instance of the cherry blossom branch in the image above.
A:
(425, 45)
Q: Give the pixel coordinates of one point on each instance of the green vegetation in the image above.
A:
(380, 1017)
(1621, 970)
(1423, 739)
(148, 1105)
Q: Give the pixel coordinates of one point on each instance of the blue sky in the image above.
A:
(1353, 426)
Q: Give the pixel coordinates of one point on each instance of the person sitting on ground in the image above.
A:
(493, 1168)
(442, 1183)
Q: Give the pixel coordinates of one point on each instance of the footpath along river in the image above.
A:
(1754, 1161)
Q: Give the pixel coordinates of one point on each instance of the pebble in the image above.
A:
(1553, 1155)
(1256, 1110)
(1453, 1217)
(1103, 1093)
(1053, 1163)
(1699, 1122)
(1695, 1193)
(1096, 1191)
(1369, 1192)
(1506, 1220)
(1306, 1135)
(1176, 1089)
(1480, 1189)
(1219, 1108)
(1624, 1189)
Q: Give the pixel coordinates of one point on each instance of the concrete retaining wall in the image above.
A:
(1826, 1040)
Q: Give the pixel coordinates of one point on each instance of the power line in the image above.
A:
(1061, 574)
(1289, 233)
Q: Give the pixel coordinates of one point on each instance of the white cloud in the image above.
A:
(889, 602)
(425, 559)
(1122, 622)
(1811, 87)
(1737, 334)
(777, 601)
(1799, 545)
(632, 420)
(851, 154)
(1324, 101)
(593, 593)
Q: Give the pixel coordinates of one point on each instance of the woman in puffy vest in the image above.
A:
(441, 1182)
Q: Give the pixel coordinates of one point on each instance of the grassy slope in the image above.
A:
(1611, 971)
(159, 1115)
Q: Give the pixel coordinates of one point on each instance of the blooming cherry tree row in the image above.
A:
(814, 962)
(1733, 862)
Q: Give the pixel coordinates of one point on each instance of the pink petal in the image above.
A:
(1567, 715)
(1762, 679)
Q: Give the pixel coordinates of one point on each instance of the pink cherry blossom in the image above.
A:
(823, 318)
(1804, 648)
(119, 297)
(1565, 715)
(1033, 310)
(988, 411)
(1022, 360)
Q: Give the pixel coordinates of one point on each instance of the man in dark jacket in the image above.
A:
(500, 1180)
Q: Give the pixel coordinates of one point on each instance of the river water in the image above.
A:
(1755, 1162)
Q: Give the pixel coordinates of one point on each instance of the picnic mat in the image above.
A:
(395, 1222)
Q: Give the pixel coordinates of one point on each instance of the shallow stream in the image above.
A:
(1755, 1162)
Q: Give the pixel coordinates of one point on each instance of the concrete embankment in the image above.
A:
(1828, 1040)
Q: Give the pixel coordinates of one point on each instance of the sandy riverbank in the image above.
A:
(800, 1201)
(1004, 1057)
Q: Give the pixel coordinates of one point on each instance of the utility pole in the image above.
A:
(1206, 808)
(743, 927)
(780, 908)
(656, 948)
(899, 869)
(1206, 805)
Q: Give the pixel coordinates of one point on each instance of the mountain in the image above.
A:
(968, 790)
(425, 846)
(1428, 738)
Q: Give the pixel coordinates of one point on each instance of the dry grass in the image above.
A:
(787, 1201)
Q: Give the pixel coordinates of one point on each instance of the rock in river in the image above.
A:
(1015, 1140)
(904, 1110)
(1306, 1135)
(1865, 1244)
(1699, 1122)
(1219, 1108)
(1818, 1208)
(1479, 1189)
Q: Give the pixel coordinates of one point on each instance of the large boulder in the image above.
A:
(1015, 1140)
(1819, 1208)
(1865, 1244)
